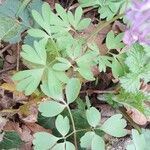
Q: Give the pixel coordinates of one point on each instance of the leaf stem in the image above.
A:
(80, 130)
(101, 26)
(73, 125)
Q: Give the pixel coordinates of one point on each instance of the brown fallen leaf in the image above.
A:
(118, 26)
(12, 126)
(30, 114)
(12, 88)
(3, 122)
(23, 131)
(137, 116)
(26, 146)
(10, 59)
(37, 128)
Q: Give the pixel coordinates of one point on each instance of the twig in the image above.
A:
(8, 69)
(5, 49)
(98, 91)
(88, 9)
(74, 6)
(18, 57)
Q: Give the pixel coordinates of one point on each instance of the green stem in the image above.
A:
(73, 125)
(101, 26)
(22, 7)
(81, 130)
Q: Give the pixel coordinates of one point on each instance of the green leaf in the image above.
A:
(137, 61)
(78, 14)
(88, 3)
(109, 8)
(130, 82)
(104, 61)
(61, 67)
(61, 76)
(86, 140)
(46, 122)
(138, 140)
(72, 89)
(50, 108)
(114, 42)
(44, 141)
(28, 80)
(131, 147)
(133, 100)
(59, 146)
(10, 140)
(36, 55)
(11, 28)
(62, 125)
(69, 146)
(93, 116)
(38, 33)
(39, 19)
(115, 126)
(62, 13)
(54, 85)
(86, 73)
(84, 23)
(117, 68)
(80, 116)
(46, 13)
(71, 19)
(136, 58)
(64, 146)
(97, 143)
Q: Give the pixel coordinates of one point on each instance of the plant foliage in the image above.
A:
(60, 61)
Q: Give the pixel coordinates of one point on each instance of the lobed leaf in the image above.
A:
(44, 141)
(50, 108)
(93, 116)
(115, 126)
(28, 80)
(62, 125)
(72, 89)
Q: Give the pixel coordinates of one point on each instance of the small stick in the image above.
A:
(98, 91)
(18, 57)
(5, 49)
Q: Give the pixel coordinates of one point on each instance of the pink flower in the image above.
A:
(139, 17)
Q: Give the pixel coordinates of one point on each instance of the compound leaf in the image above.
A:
(114, 42)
